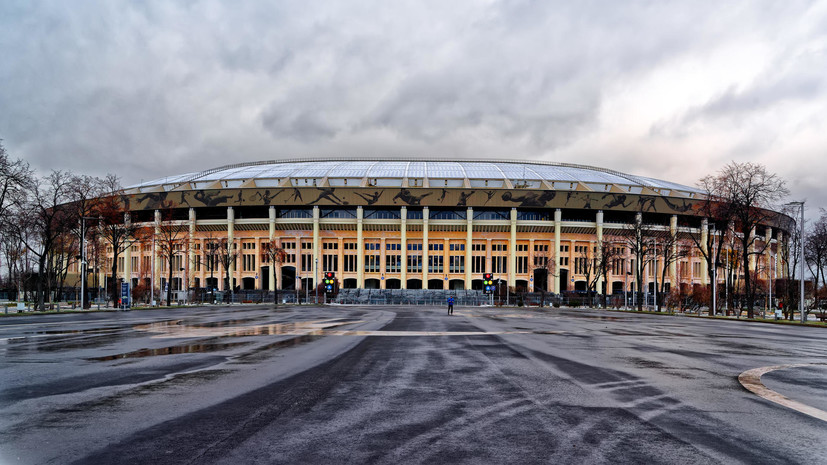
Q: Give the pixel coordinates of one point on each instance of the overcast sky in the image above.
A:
(672, 90)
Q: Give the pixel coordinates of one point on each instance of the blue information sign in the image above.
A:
(124, 295)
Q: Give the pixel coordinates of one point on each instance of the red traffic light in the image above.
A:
(328, 275)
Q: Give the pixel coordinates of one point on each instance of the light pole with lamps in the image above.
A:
(801, 260)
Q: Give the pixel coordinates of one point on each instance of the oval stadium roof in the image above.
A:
(355, 172)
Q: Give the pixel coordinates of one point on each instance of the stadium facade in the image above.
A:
(411, 224)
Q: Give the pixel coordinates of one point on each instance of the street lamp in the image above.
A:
(801, 259)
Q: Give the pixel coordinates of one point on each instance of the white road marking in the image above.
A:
(751, 379)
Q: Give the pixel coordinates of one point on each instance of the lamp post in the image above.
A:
(714, 272)
(801, 260)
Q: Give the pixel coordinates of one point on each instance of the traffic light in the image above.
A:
(488, 283)
(329, 282)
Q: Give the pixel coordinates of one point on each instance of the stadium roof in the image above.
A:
(356, 172)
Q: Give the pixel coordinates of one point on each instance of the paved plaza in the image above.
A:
(348, 384)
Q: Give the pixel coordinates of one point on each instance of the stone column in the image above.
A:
(275, 274)
(425, 214)
(599, 252)
(231, 248)
(469, 234)
(156, 259)
(512, 250)
(403, 240)
(531, 282)
(382, 262)
(127, 256)
(316, 264)
(558, 220)
(768, 250)
(191, 250)
(673, 267)
(705, 251)
(360, 252)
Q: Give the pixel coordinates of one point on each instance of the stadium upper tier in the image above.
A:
(354, 173)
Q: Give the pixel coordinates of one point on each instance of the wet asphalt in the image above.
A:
(404, 385)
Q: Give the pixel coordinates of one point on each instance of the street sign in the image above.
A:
(125, 295)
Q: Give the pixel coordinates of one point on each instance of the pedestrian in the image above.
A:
(451, 305)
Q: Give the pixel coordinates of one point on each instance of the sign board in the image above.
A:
(125, 295)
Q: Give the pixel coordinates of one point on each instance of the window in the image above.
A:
(436, 246)
(541, 247)
(372, 246)
(499, 247)
(564, 248)
(372, 263)
(540, 262)
(522, 247)
(414, 263)
(457, 247)
(415, 246)
(499, 265)
(393, 263)
(456, 264)
(349, 246)
(478, 264)
(330, 246)
(307, 262)
(307, 246)
(478, 247)
(522, 265)
(696, 269)
(248, 262)
(330, 263)
(349, 265)
(288, 245)
(393, 246)
(435, 263)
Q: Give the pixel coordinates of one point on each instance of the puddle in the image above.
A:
(172, 350)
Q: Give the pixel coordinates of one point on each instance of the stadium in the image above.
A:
(415, 224)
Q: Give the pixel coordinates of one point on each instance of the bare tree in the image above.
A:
(116, 230)
(637, 237)
(275, 255)
(15, 177)
(608, 251)
(545, 261)
(227, 254)
(746, 192)
(815, 251)
(84, 194)
(172, 245)
(671, 249)
(45, 219)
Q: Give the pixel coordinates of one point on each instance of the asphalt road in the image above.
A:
(405, 385)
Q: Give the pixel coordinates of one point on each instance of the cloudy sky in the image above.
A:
(673, 90)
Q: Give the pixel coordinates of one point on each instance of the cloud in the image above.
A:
(664, 89)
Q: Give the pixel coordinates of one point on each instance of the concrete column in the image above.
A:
(127, 256)
(469, 234)
(403, 240)
(446, 259)
(673, 267)
(340, 252)
(275, 274)
(753, 259)
(231, 248)
(425, 214)
(360, 249)
(156, 259)
(531, 282)
(382, 262)
(779, 242)
(316, 248)
(599, 231)
(489, 263)
(190, 251)
(768, 252)
(706, 251)
(512, 250)
(558, 220)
